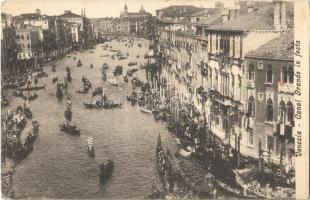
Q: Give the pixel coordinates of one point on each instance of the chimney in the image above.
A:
(283, 15)
(225, 14)
(276, 15)
(67, 11)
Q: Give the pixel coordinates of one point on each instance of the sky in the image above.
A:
(96, 8)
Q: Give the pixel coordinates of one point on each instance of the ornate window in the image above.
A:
(290, 74)
(269, 74)
(269, 110)
(282, 111)
(251, 106)
(284, 74)
(251, 71)
(290, 112)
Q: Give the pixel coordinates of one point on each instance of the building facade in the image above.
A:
(205, 68)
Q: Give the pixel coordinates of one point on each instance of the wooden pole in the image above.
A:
(259, 156)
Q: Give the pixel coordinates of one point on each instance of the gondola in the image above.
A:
(32, 88)
(106, 170)
(145, 110)
(69, 78)
(33, 97)
(69, 128)
(89, 105)
(112, 104)
(90, 145)
(54, 80)
(4, 102)
(81, 91)
(79, 63)
(28, 113)
(59, 93)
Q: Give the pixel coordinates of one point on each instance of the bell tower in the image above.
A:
(125, 9)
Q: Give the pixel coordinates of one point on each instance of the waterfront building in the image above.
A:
(176, 12)
(204, 64)
(134, 22)
(270, 78)
(73, 18)
(8, 43)
(33, 19)
(28, 42)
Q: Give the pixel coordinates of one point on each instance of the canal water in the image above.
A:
(59, 165)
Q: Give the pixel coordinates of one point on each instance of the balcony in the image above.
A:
(286, 88)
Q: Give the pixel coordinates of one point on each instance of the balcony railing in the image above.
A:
(287, 88)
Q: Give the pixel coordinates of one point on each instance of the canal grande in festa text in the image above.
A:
(128, 107)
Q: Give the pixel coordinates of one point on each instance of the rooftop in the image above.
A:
(204, 12)
(69, 14)
(281, 48)
(259, 19)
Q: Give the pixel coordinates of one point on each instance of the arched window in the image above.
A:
(269, 74)
(269, 110)
(290, 74)
(251, 72)
(284, 74)
(251, 107)
(282, 111)
(290, 112)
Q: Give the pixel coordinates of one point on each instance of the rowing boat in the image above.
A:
(32, 88)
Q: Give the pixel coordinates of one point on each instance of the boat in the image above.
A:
(70, 128)
(28, 113)
(112, 104)
(185, 153)
(79, 63)
(91, 150)
(4, 102)
(54, 68)
(32, 88)
(106, 170)
(91, 51)
(145, 110)
(59, 93)
(32, 97)
(89, 105)
(113, 81)
(82, 91)
(132, 63)
(105, 66)
(55, 79)
(68, 114)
